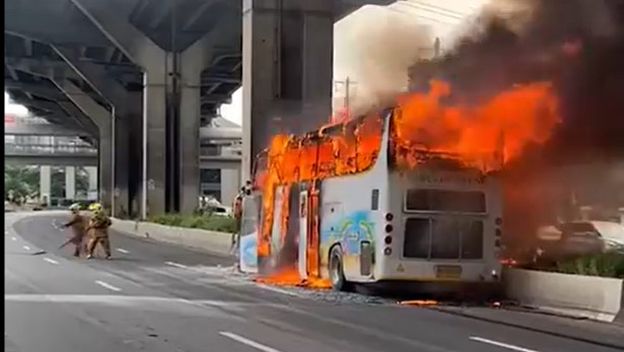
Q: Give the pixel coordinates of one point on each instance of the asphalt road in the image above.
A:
(157, 297)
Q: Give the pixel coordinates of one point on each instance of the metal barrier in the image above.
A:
(48, 149)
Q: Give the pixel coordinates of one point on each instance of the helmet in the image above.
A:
(95, 207)
(74, 207)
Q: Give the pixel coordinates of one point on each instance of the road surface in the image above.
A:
(156, 297)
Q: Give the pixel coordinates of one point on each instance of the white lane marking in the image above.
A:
(248, 342)
(14, 238)
(51, 261)
(108, 286)
(501, 344)
(26, 248)
(122, 251)
(177, 265)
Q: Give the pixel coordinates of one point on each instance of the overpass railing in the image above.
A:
(48, 149)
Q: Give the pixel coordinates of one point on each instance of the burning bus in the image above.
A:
(374, 199)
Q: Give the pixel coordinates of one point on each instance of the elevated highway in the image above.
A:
(143, 76)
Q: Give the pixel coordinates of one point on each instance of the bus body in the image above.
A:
(431, 223)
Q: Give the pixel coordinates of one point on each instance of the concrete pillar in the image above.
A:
(102, 118)
(154, 138)
(120, 168)
(126, 110)
(193, 60)
(93, 178)
(105, 168)
(70, 182)
(112, 22)
(287, 69)
(230, 184)
(45, 174)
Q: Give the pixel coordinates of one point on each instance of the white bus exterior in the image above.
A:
(427, 224)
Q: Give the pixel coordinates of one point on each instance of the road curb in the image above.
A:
(619, 318)
(593, 297)
(529, 328)
(212, 242)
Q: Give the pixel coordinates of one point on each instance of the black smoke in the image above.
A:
(578, 45)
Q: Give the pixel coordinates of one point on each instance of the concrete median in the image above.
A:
(210, 241)
(575, 295)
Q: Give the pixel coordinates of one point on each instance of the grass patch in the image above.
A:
(604, 265)
(205, 222)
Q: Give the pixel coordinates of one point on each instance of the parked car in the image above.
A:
(220, 210)
(578, 238)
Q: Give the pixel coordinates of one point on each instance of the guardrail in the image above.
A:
(210, 241)
(576, 295)
(48, 149)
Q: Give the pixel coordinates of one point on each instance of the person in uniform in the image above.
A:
(98, 227)
(77, 223)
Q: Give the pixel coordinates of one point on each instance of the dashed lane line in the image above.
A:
(177, 265)
(26, 248)
(51, 261)
(501, 344)
(107, 285)
(248, 342)
(121, 250)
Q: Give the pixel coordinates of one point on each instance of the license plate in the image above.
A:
(448, 271)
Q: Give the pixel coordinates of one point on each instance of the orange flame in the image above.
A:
(419, 302)
(290, 277)
(501, 126)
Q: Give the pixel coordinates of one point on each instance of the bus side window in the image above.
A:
(375, 200)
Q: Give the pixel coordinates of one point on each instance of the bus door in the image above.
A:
(314, 240)
(303, 234)
(309, 240)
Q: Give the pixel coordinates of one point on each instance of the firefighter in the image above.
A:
(77, 224)
(98, 227)
(238, 217)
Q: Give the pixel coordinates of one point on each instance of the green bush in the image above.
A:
(204, 222)
(604, 265)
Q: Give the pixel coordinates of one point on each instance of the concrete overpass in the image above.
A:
(51, 155)
(142, 77)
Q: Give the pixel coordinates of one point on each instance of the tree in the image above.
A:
(22, 180)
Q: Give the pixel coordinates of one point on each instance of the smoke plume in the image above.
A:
(379, 47)
(578, 45)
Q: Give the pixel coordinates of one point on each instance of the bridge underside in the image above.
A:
(141, 77)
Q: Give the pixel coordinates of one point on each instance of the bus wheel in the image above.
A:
(336, 274)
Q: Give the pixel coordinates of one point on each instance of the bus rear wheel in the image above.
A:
(336, 273)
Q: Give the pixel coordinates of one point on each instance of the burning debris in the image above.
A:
(419, 303)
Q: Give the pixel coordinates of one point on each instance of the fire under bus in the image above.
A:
(350, 203)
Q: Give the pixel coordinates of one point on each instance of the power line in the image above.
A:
(445, 9)
(421, 16)
(437, 12)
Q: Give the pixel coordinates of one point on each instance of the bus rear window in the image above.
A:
(439, 238)
(445, 200)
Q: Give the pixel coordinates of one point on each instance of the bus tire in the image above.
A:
(336, 273)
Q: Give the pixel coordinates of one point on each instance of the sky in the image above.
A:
(441, 18)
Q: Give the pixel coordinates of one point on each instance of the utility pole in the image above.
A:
(348, 83)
